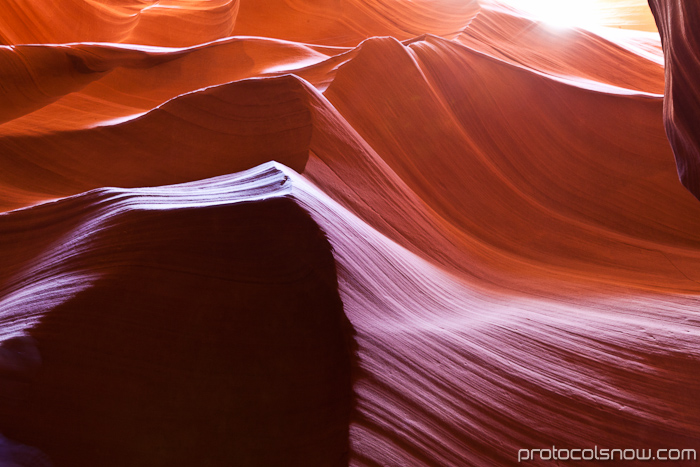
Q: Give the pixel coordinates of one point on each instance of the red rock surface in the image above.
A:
(473, 240)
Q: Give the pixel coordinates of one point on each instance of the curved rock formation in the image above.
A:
(153, 22)
(515, 255)
(210, 333)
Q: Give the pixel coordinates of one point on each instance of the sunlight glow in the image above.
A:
(563, 13)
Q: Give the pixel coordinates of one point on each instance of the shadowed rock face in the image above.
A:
(211, 335)
(677, 22)
(515, 252)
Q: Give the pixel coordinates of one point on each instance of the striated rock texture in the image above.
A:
(680, 37)
(366, 233)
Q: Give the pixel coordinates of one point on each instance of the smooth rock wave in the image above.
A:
(293, 233)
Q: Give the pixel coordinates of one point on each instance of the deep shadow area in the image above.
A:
(680, 39)
(214, 337)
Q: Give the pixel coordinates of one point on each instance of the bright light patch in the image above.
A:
(563, 13)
